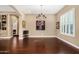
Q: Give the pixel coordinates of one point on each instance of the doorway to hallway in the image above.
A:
(14, 25)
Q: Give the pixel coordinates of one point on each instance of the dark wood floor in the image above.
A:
(35, 46)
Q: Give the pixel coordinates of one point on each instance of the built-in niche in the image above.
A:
(14, 31)
(3, 22)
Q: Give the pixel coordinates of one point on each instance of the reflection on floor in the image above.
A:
(35, 46)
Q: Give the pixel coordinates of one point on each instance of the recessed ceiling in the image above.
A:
(33, 9)
(36, 9)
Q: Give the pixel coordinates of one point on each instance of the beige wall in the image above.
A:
(74, 40)
(31, 26)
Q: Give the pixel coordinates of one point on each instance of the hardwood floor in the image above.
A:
(35, 46)
(67, 49)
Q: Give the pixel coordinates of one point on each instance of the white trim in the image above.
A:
(68, 34)
(66, 15)
(68, 42)
(5, 37)
(39, 37)
(20, 38)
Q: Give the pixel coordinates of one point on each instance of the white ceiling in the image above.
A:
(33, 9)
(6, 8)
(36, 9)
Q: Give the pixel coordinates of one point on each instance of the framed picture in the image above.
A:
(24, 24)
(0, 25)
(40, 25)
(57, 25)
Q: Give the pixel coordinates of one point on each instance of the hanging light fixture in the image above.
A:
(41, 15)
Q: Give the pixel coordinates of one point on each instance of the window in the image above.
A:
(67, 23)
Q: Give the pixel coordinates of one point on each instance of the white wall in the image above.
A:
(49, 30)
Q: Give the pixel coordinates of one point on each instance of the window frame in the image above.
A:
(64, 19)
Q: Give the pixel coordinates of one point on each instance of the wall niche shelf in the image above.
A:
(3, 22)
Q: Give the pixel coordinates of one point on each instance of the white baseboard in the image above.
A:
(39, 37)
(75, 46)
(20, 38)
(5, 37)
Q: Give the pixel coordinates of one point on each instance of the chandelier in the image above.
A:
(41, 15)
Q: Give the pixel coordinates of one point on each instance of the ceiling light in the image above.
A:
(41, 15)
